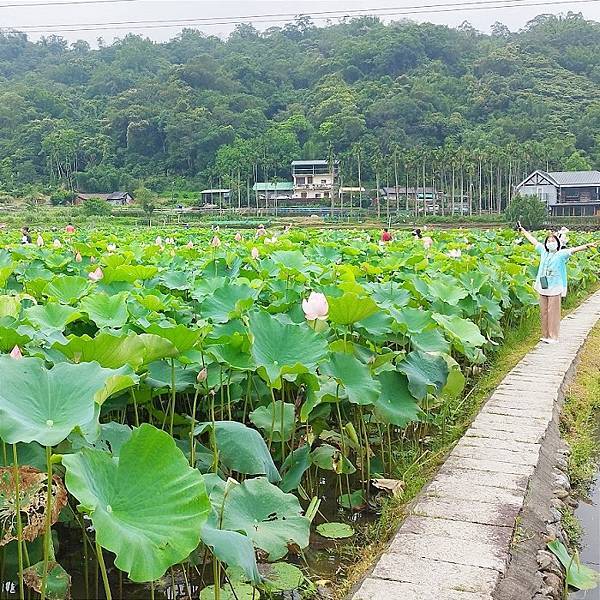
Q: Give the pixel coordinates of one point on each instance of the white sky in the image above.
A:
(43, 18)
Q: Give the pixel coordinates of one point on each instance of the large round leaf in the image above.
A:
(354, 376)
(67, 289)
(45, 405)
(105, 310)
(226, 301)
(427, 373)
(277, 419)
(52, 316)
(351, 308)
(272, 518)
(396, 405)
(147, 507)
(280, 349)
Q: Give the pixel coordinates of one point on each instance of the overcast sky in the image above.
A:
(44, 20)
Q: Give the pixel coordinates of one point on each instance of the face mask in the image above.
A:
(552, 246)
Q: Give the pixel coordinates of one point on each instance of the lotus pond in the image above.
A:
(180, 417)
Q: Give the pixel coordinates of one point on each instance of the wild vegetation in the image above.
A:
(470, 111)
(187, 406)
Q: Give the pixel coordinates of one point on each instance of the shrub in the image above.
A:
(96, 206)
(529, 210)
(62, 197)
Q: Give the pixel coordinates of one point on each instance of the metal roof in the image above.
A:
(216, 191)
(575, 178)
(309, 162)
(273, 187)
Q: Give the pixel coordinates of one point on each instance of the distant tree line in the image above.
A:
(403, 104)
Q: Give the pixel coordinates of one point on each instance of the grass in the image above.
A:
(579, 427)
(519, 340)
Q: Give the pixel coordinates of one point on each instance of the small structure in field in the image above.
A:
(277, 191)
(116, 198)
(566, 193)
(314, 180)
(214, 198)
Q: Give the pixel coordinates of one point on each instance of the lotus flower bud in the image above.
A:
(215, 242)
(78, 257)
(16, 353)
(57, 244)
(111, 247)
(40, 240)
(96, 275)
(158, 240)
(190, 245)
(254, 253)
(315, 307)
(202, 375)
(238, 237)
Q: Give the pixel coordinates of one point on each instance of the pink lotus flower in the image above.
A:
(254, 253)
(189, 245)
(96, 275)
(427, 243)
(238, 237)
(202, 375)
(40, 241)
(455, 253)
(57, 244)
(16, 353)
(78, 257)
(316, 307)
(215, 242)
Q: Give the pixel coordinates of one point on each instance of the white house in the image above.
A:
(314, 180)
(567, 193)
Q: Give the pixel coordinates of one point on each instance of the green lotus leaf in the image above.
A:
(329, 458)
(462, 331)
(160, 375)
(277, 420)
(280, 349)
(396, 405)
(281, 577)
(111, 439)
(45, 405)
(67, 289)
(270, 517)
(175, 280)
(226, 302)
(240, 591)
(294, 467)
(114, 351)
(129, 273)
(182, 337)
(389, 294)
(106, 310)
(427, 373)
(10, 306)
(291, 260)
(58, 582)
(432, 340)
(415, 320)
(51, 316)
(31, 454)
(10, 337)
(241, 449)
(147, 508)
(447, 291)
(335, 531)
(232, 548)
(579, 576)
(351, 308)
(355, 376)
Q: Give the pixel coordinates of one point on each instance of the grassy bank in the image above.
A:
(417, 471)
(579, 426)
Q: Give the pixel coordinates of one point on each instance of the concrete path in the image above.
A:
(455, 545)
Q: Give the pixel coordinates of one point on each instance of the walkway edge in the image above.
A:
(455, 543)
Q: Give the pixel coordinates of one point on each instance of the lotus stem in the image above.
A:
(281, 431)
(216, 577)
(343, 438)
(152, 590)
(173, 396)
(47, 533)
(192, 440)
(272, 418)
(17, 478)
(103, 571)
(85, 561)
(135, 407)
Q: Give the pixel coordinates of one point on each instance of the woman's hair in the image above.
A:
(417, 233)
(552, 235)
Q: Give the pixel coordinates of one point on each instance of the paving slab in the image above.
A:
(455, 543)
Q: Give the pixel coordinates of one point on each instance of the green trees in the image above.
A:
(146, 199)
(529, 210)
(96, 207)
(476, 111)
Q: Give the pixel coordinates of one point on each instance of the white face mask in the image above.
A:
(552, 246)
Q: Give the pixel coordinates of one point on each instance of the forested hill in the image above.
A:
(200, 108)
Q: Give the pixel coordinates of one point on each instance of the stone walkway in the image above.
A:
(455, 545)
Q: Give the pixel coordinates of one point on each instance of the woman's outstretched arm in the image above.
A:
(528, 236)
(584, 247)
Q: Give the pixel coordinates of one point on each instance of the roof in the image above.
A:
(575, 177)
(411, 190)
(117, 195)
(279, 186)
(309, 162)
(216, 191)
(352, 189)
(92, 195)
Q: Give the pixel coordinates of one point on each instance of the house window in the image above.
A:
(300, 180)
(309, 179)
(326, 194)
(323, 180)
(317, 195)
(303, 195)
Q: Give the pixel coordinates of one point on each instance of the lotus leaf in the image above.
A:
(277, 420)
(226, 301)
(281, 577)
(58, 582)
(67, 289)
(396, 405)
(335, 531)
(147, 507)
(45, 405)
(106, 310)
(355, 376)
(579, 576)
(51, 316)
(351, 308)
(427, 373)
